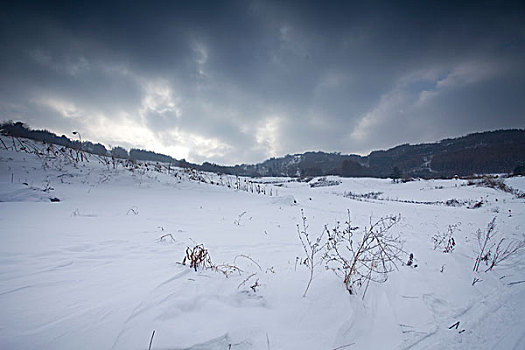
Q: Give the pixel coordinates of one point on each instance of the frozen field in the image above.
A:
(101, 267)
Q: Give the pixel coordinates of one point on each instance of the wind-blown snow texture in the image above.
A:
(92, 272)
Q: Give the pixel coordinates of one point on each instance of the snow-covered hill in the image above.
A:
(100, 266)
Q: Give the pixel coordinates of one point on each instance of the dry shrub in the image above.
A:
(445, 241)
(197, 256)
(358, 260)
(370, 258)
(493, 253)
(311, 247)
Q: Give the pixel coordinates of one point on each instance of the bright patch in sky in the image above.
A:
(236, 82)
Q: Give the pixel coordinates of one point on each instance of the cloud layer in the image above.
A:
(241, 81)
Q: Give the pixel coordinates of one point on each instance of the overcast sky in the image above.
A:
(240, 81)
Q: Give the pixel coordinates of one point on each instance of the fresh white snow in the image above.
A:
(92, 272)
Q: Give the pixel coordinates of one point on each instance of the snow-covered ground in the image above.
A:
(101, 266)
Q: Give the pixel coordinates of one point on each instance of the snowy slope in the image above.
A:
(91, 270)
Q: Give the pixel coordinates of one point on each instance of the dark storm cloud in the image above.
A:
(240, 81)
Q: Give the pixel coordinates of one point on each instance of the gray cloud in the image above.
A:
(239, 81)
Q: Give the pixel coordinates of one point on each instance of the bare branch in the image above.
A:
(311, 248)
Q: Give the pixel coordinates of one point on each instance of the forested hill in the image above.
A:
(500, 151)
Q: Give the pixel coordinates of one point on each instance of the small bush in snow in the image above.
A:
(445, 241)
(484, 244)
(323, 182)
(495, 253)
(503, 250)
(496, 183)
(357, 196)
(368, 258)
(197, 256)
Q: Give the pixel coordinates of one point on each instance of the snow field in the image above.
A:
(92, 272)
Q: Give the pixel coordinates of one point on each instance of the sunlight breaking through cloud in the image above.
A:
(238, 82)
